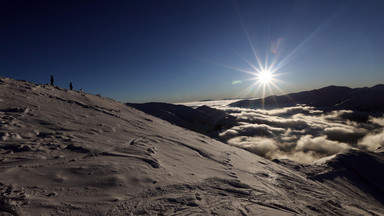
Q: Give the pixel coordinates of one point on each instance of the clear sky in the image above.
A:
(179, 50)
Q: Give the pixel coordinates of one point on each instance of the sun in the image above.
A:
(265, 77)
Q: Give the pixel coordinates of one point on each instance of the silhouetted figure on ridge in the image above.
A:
(70, 86)
(52, 80)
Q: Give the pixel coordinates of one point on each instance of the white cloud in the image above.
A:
(302, 133)
(346, 134)
(261, 146)
(252, 130)
(372, 141)
(287, 111)
(228, 134)
(338, 130)
(303, 157)
(379, 121)
(320, 145)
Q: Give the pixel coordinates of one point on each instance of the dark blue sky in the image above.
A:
(137, 51)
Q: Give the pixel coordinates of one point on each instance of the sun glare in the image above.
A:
(264, 77)
(264, 71)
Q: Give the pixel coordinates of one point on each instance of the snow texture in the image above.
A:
(71, 153)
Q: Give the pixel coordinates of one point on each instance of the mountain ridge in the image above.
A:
(366, 99)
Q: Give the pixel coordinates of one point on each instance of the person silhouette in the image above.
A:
(52, 80)
(70, 86)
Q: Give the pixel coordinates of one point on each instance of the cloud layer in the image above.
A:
(302, 133)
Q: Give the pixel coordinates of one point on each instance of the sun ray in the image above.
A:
(265, 70)
(250, 64)
(247, 90)
(226, 66)
(258, 60)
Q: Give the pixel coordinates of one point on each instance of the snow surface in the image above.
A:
(71, 153)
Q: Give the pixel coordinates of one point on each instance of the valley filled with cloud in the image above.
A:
(300, 133)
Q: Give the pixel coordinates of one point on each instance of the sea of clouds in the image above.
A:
(300, 133)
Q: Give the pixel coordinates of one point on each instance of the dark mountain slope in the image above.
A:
(203, 119)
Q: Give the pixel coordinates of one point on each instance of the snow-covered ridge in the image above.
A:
(71, 153)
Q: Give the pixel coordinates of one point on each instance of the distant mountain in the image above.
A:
(327, 98)
(203, 119)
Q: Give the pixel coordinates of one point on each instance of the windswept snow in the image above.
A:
(71, 153)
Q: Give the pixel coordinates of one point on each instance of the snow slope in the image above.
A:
(71, 153)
